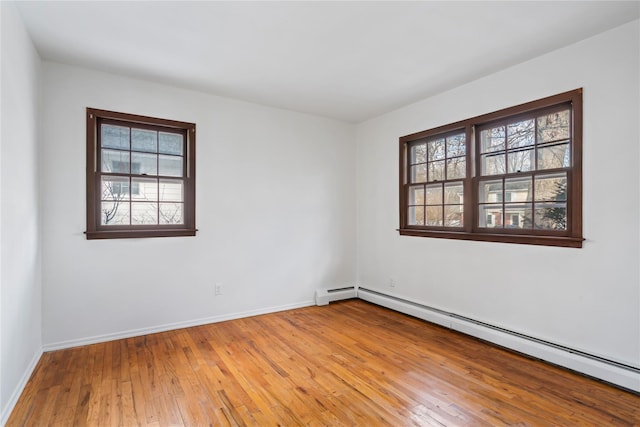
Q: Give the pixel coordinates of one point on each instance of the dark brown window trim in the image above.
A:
(94, 228)
(572, 237)
(567, 242)
(123, 234)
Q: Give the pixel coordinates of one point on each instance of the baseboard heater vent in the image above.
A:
(620, 374)
(325, 296)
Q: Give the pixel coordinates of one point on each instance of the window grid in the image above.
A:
(437, 168)
(546, 214)
(136, 179)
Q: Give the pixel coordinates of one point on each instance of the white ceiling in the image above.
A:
(346, 60)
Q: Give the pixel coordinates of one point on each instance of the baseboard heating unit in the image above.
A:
(620, 374)
(325, 296)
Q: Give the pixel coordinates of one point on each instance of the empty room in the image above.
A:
(320, 213)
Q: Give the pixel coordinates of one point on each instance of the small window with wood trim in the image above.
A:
(140, 176)
(513, 176)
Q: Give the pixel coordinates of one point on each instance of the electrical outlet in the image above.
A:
(218, 289)
(392, 282)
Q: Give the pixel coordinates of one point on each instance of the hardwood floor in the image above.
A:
(349, 363)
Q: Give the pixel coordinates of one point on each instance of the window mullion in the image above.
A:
(130, 202)
(469, 191)
(504, 199)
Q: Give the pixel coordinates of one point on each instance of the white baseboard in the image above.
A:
(6, 411)
(170, 326)
(627, 377)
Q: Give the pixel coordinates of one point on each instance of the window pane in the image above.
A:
(493, 164)
(453, 216)
(492, 139)
(557, 156)
(144, 189)
(144, 213)
(144, 164)
(518, 189)
(416, 215)
(416, 195)
(436, 171)
(115, 137)
(456, 168)
(419, 173)
(520, 161)
(454, 193)
(434, 194)
(115, 161)
(435, 149)
(490, 191)
(115, 188)
(418, 153)
(171, 190)
(144, 140)
(551, 187)
(171, 213)
(114, 213)
(434, 215)
(520, 134)
(170, 143)
(518, 215)
(170, 165)
(554, 126)
(456, 145)
(490, 216)
(551, 216)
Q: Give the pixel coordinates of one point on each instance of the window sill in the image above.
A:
(561, 241)
(124, 234)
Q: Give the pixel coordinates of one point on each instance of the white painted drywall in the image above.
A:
(20, 284)
(588, 298)
(275, 212)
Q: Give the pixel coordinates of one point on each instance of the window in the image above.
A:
(140, 176)
(511, 176)
(437, 168)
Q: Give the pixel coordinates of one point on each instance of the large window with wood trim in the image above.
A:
(513, 176)
(140, 176)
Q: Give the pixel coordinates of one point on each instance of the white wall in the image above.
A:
(20, 284)
(275, 210)
(588, 298)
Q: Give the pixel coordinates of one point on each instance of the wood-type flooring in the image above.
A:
(347, 364)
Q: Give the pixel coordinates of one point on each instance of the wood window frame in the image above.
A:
(570, 237)
(95, 228)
